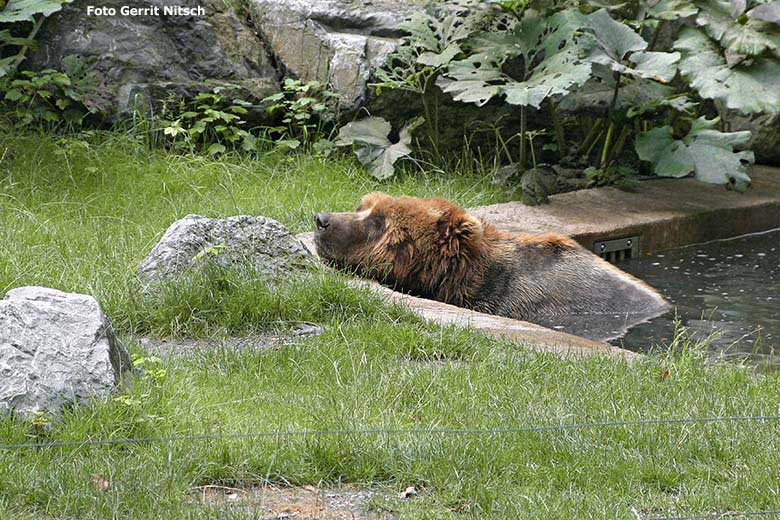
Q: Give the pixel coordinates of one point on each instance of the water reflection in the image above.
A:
(728, 288)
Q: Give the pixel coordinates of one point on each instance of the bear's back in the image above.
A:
(554, 282)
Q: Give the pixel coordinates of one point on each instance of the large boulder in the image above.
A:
(56, 348)
(340, 42)
(765, 134)
(157, 55)
(244, 242)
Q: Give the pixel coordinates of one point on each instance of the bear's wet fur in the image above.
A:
(434, 249)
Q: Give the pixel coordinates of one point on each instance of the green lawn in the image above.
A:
(81, 216)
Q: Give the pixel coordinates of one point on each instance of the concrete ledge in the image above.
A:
(533, 336)
(666, 213)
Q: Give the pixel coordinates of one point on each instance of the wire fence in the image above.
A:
(707, 516)
(539, 428)
(396, 431)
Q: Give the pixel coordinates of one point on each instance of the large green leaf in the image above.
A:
(438, 59)
(476, 79)
(373, 148)
(520, 39)
(550, 55)
(555, 75)
(768, 12)
(749, 37)
(618, 47)
(25, 10)
(749, 87)
(437, 39)
(419, 26)
(615, 39)
(705, 152)
(670, 9)
(669, 156)
(371, 131)
(660, 66)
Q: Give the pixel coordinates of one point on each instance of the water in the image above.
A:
(729, 288)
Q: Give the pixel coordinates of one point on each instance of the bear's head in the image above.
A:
(424, 246)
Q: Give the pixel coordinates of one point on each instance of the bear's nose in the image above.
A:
(322, 220)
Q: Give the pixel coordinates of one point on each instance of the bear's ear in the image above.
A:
(460, 233)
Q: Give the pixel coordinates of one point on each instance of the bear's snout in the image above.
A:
(339, 235)
(322, 221)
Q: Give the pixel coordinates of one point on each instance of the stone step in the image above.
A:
(664, 213)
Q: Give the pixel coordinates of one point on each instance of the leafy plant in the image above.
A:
(211, 121)
(612, 175)
(305, 110)
(533, 54)
(207, 251)
(550, 65)
(749, 84)
(433, 42)
(615, 48)
(704, 151)
(20, 12)
(87, 86)
(45, 97)
(373, 147)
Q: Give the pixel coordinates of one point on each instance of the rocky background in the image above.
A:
(257, 43)
(254, 45)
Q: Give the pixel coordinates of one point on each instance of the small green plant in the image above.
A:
(612, 175)
(136, 404)
(151, 368)
(212, 121)
(44, 98)
(41, 421)
(305, 110)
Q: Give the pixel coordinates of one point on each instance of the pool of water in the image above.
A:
(728, 289)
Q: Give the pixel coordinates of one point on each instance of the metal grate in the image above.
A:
(618, 249)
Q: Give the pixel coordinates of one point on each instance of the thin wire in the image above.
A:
(395, 431)
(707, 516)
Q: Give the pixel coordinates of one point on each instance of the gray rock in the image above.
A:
(157, 55)
(765, 138)
(340, 42)
(261, 244)
(306, 330)
(56, 348)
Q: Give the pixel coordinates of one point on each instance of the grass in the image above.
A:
(81, 213)
(81, 217)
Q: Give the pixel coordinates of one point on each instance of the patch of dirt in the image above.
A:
(293, 503)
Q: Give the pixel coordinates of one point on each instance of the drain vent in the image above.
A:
(618, 249)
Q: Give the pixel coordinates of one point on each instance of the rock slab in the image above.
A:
(150, 57)
(338, 42)
(56, 348)
(254, 242)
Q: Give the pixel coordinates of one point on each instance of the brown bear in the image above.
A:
(434, 249)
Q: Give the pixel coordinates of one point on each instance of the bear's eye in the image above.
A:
(375, 223)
